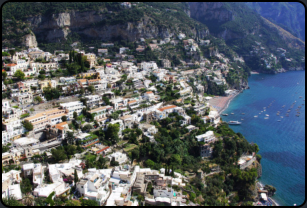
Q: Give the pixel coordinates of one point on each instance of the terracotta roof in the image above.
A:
(93, 80)
(179, 100)
(133, 101)
(167, 107)
(60, 125)
(149, 92)
(82, 80)
(98, 109)
(11, 65)
(102, 149)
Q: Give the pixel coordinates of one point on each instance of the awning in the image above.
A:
(264, 197)
(114, 180)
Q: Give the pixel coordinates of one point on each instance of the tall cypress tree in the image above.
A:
(76, 179)
(70, 57)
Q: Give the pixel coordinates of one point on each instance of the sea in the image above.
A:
(281, 143)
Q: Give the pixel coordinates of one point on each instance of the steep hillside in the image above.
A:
(102, 21)
(248, 34)
(288, 15)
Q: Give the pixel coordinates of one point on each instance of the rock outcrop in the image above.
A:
(29, 40)
(56, 27)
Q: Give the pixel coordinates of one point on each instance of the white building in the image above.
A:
(207, 137)
(118, 157)
(72, 107)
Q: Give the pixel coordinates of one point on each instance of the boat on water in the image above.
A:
(277, 114)
(267, 115)
(243, 113)
(300, 96)
(287, 115)
(264, 110)
(281, 116)
(224, 114)
(278, 120)
(232, 113)
(297, 115)
(234, 122)
(255, 116)
(303, 104)
(283, 106)
(261, 111)
(242, 119)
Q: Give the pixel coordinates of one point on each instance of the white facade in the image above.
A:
(118, 157)
(207, 137)
(72, 107)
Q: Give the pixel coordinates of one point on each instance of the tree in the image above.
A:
(39, 201)
(89, 202)
(32, 109)
(28, 200)
(91, 89)
(258, 156)
(38, 99)
(49, 199)
(87, 127)
(149, 163)
(70, 57)
(112, 133)
(58, 154)
(106, 100)
(51, 93)
(72, 203)
(113, 162)
(19, 74)
(76, 179)
(82, 91)
(11, 201)
(25, 186)
(75, 115)
(4, 75)
(12, 52)
(64, 118)
(41, 77)
(176, 159)
(70, 137)
(114, 115)
(28, 125)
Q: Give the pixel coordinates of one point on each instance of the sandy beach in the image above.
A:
(220, 103)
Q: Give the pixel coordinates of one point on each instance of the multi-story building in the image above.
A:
(72, 107)
(51, 117)
(206, 150)
(162, 113)
(47, 83)
(207, 137)
(11, 129)
(91, 58)
(101, 113)
(23, 98)
(93, 101)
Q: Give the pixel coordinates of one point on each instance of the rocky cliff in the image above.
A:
(56, 27)
(29, 40)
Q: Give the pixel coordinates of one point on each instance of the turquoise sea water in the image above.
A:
(282, 144)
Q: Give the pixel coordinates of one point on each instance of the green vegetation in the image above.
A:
(24, 115)
(28, 125)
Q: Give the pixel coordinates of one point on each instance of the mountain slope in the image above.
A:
(288, 15)
(248, 34)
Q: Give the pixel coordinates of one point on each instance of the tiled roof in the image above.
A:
(150, 92)
(167, 107)
(60, 125)
(10, 64)
(133, 101)
(102, 149)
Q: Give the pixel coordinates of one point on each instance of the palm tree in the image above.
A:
(28, 200)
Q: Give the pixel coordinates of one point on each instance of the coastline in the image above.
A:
(261, 186)
(222, 103)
